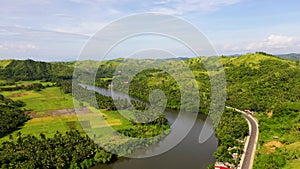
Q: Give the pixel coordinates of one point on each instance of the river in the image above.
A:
(188, 154)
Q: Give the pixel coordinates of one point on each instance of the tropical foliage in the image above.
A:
(259, 82)
(70, 150)
(12, 115)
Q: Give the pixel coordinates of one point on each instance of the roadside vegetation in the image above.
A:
(231, 133)
(269, 86)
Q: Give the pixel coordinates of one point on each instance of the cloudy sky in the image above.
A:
(53, 30)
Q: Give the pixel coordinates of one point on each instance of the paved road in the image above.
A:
(250, 150)
(251, 146)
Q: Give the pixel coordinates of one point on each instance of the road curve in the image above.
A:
(248, 157)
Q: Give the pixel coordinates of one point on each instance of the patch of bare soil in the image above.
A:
(271, 146)
(17, 95)
(63, 112)
(270, 114)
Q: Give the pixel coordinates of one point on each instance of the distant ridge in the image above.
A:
(290, 56)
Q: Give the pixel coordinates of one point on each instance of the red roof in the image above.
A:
(221, 167)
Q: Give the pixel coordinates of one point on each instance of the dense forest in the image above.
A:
(69, 150)
(17, 70)
(12, 115)
(261, 82)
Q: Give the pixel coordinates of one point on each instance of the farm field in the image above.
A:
(51, 110)
(50, 98)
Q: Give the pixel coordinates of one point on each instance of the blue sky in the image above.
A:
(52, 30)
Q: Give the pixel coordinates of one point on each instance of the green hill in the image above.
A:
(260, 82)
(34, 70)
(252, 60)
(270, 86)
(291, 56)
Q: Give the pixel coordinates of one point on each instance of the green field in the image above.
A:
(101, 122)
(113, 118)
(47, 126)
(51, 99)
(48, 99)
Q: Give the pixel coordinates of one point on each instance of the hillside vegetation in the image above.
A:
(16, 70)
(270, 86)
(4, 63)
(259, 82)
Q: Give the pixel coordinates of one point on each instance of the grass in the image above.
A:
(52, 98)
(47, 126)
(104, 118)
(294, 146)
(2, 81)
(293, 164)
(48, 99)
(111, 118)
(100, 123)
(4, 63)
(252, 60)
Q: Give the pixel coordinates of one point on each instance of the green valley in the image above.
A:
(39, 96)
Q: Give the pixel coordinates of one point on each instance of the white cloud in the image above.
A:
(18, 47)
(161, 2)
(84, 28)
(167, 11)
(183, 6)
(279, 40)
(272, 44)
(25, 33)
(95, 2)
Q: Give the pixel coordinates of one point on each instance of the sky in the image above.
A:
(58, 30)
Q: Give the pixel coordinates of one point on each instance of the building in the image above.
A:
(219, 165)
